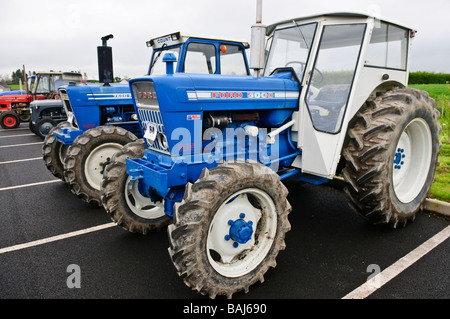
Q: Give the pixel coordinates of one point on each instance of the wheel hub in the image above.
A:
(240, 231)
(10, 121)
(45, 128)
(96, 162)
(399, 159)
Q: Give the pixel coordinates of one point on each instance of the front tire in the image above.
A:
(54, 152)
(88, 156)
(122, 198)
(392, 155)
(44, 126)
(229, 228)
(32, 127)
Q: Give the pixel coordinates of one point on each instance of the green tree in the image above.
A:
(16, 76)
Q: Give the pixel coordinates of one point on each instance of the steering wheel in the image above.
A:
(318, 76)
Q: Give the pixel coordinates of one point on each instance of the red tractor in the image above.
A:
(15, 106)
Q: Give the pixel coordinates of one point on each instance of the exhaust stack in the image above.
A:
(257, 43)
(105, 62)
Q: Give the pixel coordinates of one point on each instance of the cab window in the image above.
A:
(333, 73)
(200, 58)
(43, 86)
(232, 61)
(388, 47)
(157, 66)
(290, 47)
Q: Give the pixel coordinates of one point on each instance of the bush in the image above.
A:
(428, 78)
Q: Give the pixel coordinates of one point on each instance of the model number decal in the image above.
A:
(263, 95)
(243, 95)
(109, 96)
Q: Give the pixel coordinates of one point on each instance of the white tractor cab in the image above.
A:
(355, 109)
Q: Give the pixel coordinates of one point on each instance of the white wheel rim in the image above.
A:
(236, 261)
(140, 205)
(412, 160)
(95, 162)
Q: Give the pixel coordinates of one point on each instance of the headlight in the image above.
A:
(162, 139)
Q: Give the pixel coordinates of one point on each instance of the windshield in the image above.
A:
(290, 48)
(43, 85)
(157, 66)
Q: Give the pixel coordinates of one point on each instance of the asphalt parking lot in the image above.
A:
(48, 236)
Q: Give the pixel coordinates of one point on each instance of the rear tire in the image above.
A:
(229, 228)
(391, 156)
(9, 120)
(121, 198)
(25, 116)
(88, 156)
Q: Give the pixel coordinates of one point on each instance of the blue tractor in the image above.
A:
(102, 117)
(329, 97)
(100, 120)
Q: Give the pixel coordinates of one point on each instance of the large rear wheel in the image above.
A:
(391, 156)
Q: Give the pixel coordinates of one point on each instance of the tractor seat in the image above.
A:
(331, 97)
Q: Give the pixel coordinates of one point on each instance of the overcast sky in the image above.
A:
(64, 34)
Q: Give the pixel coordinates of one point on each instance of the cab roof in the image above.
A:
(322, 16)
(178, 37)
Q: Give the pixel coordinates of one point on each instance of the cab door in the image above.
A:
(323, 104)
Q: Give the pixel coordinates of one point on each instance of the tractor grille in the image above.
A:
(68, 107)
(153, 115)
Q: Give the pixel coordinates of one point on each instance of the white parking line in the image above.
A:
(25, 144)
(29, 185)
(21, 160)
(14, 129)
(17, 135)
(55, 238)
(392, 271)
